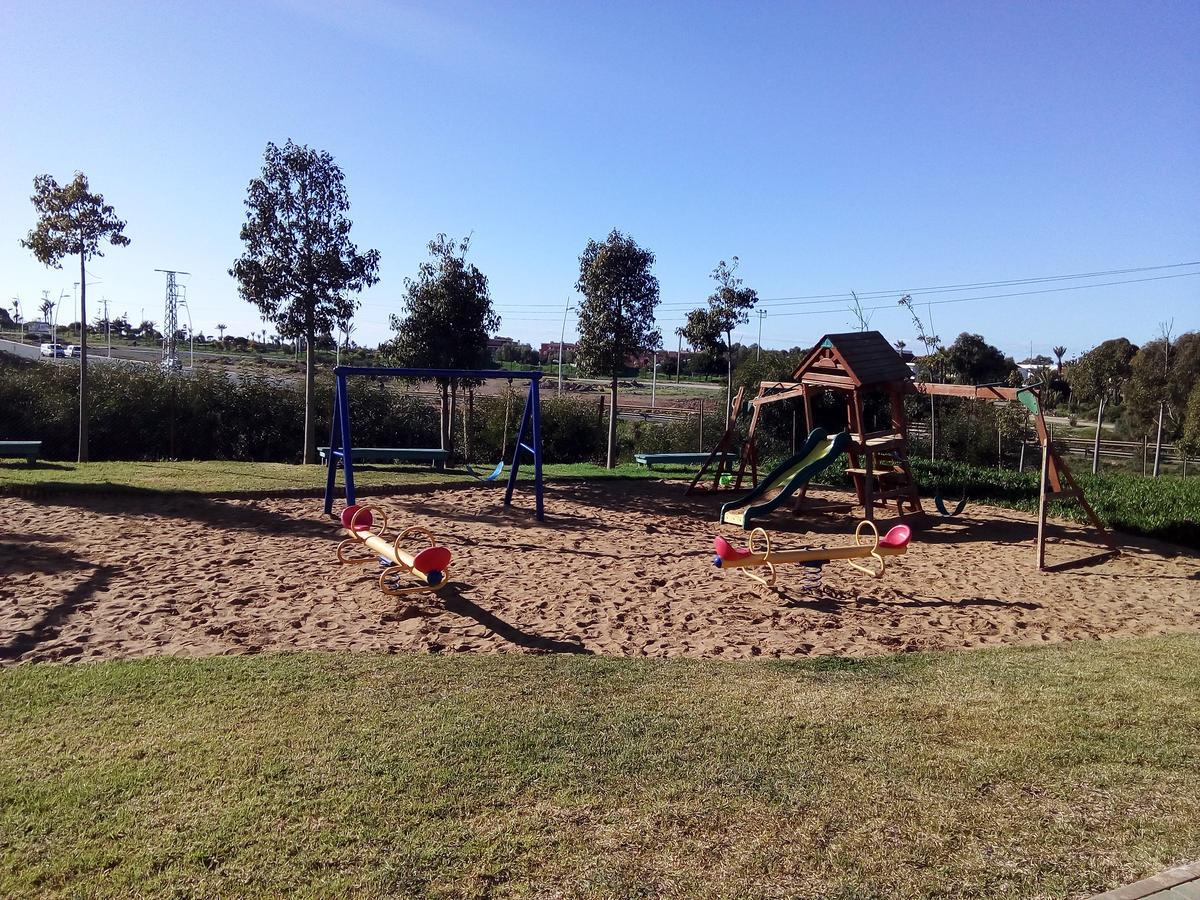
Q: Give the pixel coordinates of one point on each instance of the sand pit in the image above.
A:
(620, 568)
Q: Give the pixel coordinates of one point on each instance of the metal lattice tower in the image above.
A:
(170, 355)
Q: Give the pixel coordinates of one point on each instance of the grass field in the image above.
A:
(1052, 772)
(216, 476)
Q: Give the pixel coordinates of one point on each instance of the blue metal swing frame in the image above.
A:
(529, 432)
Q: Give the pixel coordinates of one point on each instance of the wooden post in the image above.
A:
(1041, 531)
(700, 447)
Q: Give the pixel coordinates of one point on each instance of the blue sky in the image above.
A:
(833, 147)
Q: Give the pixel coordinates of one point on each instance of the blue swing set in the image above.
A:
(341, 450)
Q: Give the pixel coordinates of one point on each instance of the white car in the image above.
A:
(71, 350)
(52, 350)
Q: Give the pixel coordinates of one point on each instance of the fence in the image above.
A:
(1117, 451)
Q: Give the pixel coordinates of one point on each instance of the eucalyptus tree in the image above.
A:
(1101, 375)
(616, 316)
(299, 266)
(447, 320)
(728, 307)
(73, 221)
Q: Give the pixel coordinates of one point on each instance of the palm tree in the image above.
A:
(221, 331)
(1059, 353)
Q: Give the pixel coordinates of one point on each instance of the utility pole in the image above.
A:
(679, 356)
(654, 379)
(762, 314)
(561, 339)
(107, 326)
(170, 352)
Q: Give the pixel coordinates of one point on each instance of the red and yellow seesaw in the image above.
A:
(871, 547)
(429, 567)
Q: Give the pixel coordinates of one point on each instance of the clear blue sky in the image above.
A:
(833, 147)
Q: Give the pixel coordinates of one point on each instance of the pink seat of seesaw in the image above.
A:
(897, 536)
(726, 550)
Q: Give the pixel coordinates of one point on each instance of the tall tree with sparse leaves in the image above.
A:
(728, 307)
(1101, 375)
(72, 221)
(300, 267)
(447, 320)
(616, 317)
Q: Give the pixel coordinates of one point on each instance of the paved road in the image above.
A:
(33, 351)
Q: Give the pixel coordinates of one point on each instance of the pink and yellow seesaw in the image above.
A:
(429, 567)
(873, 548)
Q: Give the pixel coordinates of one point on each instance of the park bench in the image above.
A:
(649, 460)
(391, 454)
(27, 450)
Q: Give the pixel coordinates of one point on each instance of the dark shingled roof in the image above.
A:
(870, 357)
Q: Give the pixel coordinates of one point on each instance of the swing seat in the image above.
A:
(495, 473)
(941, 504)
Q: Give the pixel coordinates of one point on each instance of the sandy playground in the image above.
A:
(621, 568)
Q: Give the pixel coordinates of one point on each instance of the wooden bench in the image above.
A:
(391, 454)
(678, 459)
(27, 450)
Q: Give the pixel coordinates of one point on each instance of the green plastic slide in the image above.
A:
(818, 452)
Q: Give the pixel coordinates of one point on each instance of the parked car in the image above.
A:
(71, 350)
(52, 350)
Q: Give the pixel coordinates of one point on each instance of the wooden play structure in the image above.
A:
(367, 528)
(873, 548)
(853, 365)
(1056, 482)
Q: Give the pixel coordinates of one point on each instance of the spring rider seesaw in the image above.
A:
(870, 547)
(429, 567)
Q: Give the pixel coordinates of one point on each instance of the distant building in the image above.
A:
(494, 344)
(548, 352)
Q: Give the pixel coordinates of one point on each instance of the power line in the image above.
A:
(1074, 287)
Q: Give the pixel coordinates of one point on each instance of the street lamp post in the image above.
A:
(654, 380)
(191, 336)
(561, 338)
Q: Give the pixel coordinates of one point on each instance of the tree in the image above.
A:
(728, 307)
(447, 320)
(221, 329)
(974, 361)
(1190, 442)
(616, 317)
(300, 267)
(1059, 353)
(6, 321)
(1162, 375)
(72, 221)
(1100, 375)
(46, 307)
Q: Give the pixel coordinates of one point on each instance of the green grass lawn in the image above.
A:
(1050, 772)
(215, 476)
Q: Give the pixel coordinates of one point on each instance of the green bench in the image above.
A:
(391, 454)
(678, 459)
(27, 450)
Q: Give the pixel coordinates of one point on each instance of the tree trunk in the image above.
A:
(450, 419)
(444, 418)
(83, 385)
(728, 374)
(310, 398)
(611, 461)
(1096, 443)
(1158, 440)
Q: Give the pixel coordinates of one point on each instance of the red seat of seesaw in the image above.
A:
(897, 536)
(431, 559)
